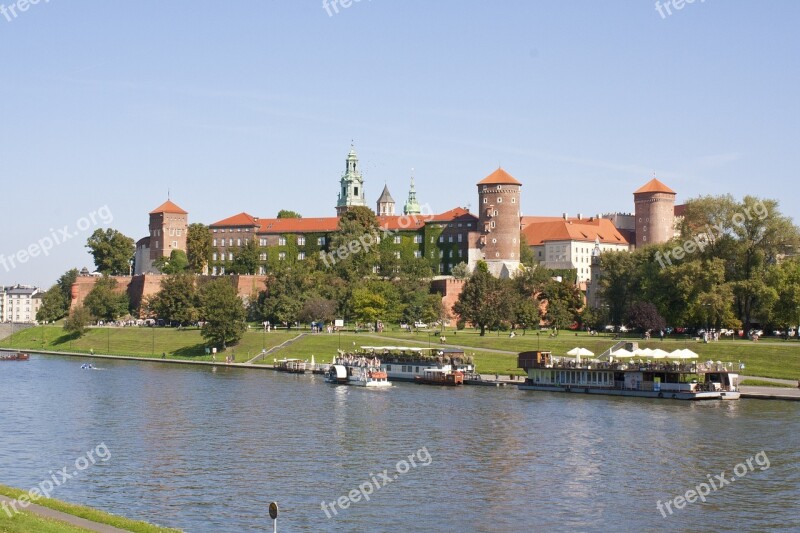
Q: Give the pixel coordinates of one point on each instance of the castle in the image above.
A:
(446, 239)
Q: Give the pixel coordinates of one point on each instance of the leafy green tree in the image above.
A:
(112, 251)
(460, 271)
(57, 299)
(368, 307)
(318, 309)
(105, 301)
(527, 313)
(485, 300)
(785, 278)
(246, 259)
(526, 256)
(77, 322)
(177, 300)
(176, 262)
(223, 312)
(285, 213)
(354, 243)
(558, 315)
(198, 247)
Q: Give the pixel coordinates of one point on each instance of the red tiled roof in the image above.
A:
(298, 225)
(586, 230)
(680, 210)
(242, 219)
(168, 207)
(458, 214)
(654, 186)
(499, 177)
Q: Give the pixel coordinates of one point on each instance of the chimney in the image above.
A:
(564, 215)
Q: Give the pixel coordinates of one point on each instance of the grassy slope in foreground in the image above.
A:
(11, 524)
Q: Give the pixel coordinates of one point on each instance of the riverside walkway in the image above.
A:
(52, 514)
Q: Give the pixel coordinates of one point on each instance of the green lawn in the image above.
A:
(766, 358)
(141, 342)
(26, 522)
(762, 383)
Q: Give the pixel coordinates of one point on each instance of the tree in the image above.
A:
(112, 251)
(527, 313)
(177, 300)
(223, 312)
(285, 213)
(558, 315)
(354, 244)
(246, 259)
(460, 271)
(644, 316)
(526, 256)
(317, 309)
(484, 301)
(77, 322)
(105, 302)
(174, 264)
(368, 307)
(785, 278)
(198, 247)
(57, 299)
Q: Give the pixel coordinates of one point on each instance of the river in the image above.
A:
(206, 449)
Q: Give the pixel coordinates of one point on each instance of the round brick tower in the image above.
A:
(655, 213)
(499, 222)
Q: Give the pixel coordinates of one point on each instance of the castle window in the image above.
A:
(441, 238)
(238, 242)
(282, 256)
(485, 200)
(262, 270)
(320, 241)
(262, 242)
(397, 255)
(174, 244)
(397, 239)
(214, 256)
(215, 242)
(262, 256)
(230, 256)
(301, 256)
(495, 213)
(494, 241)
(441, 254)
(513, 241)
(460, 253)
(230, 242)
(460, 236)
(441, 268)
(214, 271)
(417, 239)
(417, 254)
(301, 240)
(281, 241)
(450, 238)
(513, 200)
(355, 191)
(497, 254)
(499, 199)
(433, 240)
(493, 224)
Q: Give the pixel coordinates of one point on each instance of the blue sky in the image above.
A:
(251, 106)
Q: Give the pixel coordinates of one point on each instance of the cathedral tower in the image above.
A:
(351, 192)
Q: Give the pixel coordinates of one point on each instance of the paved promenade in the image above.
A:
(52, 514)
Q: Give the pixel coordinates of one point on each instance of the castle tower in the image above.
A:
(655, 213)
(385, 203)
(169, 225)
(351, 192)
(412, 206)
(499, 222)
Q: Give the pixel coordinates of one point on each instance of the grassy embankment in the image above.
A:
(766, 358)
(26, 521)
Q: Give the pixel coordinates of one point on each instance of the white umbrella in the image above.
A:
(647, 352)
(658, 353)
(677, 354)
(622, 353)
(688, 354)
(580, 352)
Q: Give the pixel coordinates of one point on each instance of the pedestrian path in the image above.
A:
(46, 512)
(274, 349)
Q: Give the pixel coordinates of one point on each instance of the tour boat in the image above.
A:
(409, 363)
(658, 379)
(441, 376)
(357, 370)
(293, 366)
(15, 356)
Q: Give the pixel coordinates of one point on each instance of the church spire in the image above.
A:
(351, 192)
(412, 206)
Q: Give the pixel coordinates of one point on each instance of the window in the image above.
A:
(178, 232)
(230, 256)
(513, 200)
(499, 199)
(320, 241)
(262, 257)
(301, 256)
(282, 256)
(441, 238)
(262, 270)
(417, 254)
(460, 253)
(262, 242)
(281, 241)
(397, 255)
(493, 224)
(214, 256)
(494, 241)
(450, 238)
(441, 268)
(459, 237)
(417, 239)
(495, 213)
(485, 200)
(238, 242)
(214, 270)
(215, 242)
(398, 239)
(301, 240)
(441, 254)
(230, 242)
(433, 240)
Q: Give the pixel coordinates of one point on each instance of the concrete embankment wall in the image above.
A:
(5, 329)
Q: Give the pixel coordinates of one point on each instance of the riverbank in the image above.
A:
(54, 516)
(493, 354)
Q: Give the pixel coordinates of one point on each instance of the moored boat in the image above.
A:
(409, 363)
(14, 356)
(292, 366)
(357, 370)
(671, 380)
(440, 376)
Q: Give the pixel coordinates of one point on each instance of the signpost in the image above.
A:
(273, 513)
(339, 323)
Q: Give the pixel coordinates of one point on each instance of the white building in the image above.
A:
(20, 303)
(568, 243)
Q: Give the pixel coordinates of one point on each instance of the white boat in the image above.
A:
(656, 379)
(402, 363)
(357, 370)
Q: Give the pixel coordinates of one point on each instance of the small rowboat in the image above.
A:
(18, 356)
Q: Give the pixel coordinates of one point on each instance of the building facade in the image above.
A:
(20, 303)
(169, 226)
(654, 205)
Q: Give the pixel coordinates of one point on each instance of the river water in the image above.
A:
(206, 450)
